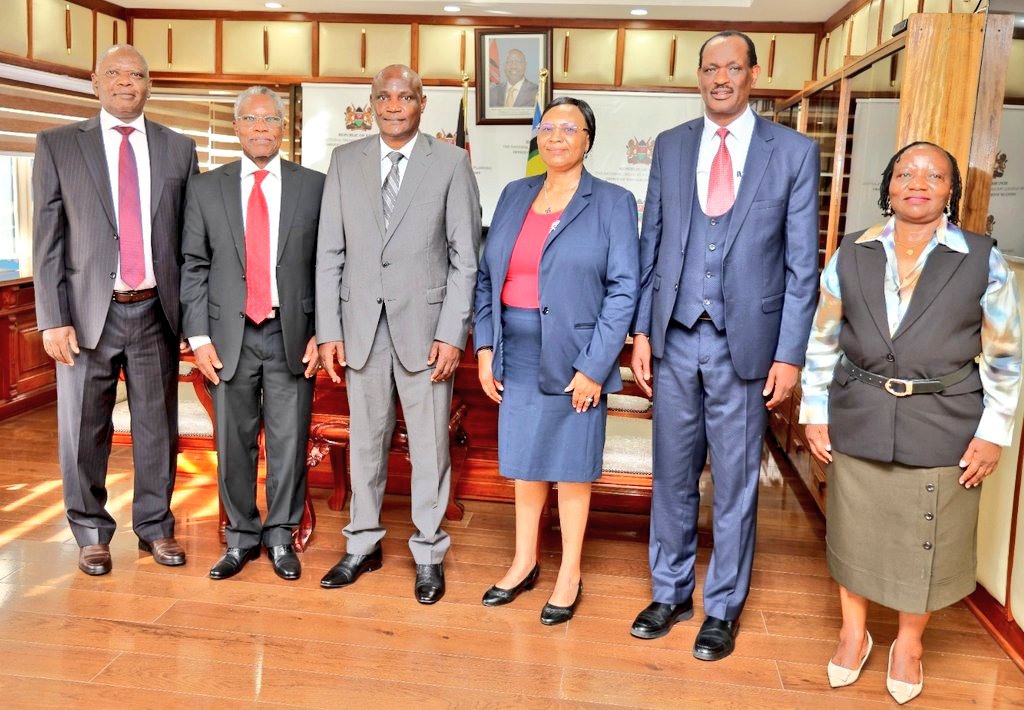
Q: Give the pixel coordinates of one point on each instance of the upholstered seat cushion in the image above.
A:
(627, 446)
(192, 418)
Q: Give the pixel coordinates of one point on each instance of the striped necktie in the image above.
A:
(391, 184)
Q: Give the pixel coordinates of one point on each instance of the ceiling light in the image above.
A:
(273, 5)
(638, 12)
(452, 8)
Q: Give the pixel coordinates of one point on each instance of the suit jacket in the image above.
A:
(421, 270)
(74, 242)
(213, 289)
(527, 95)
(770, 263)
(589, 275)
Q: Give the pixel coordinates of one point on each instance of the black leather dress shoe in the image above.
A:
(350, 567)
(551, 614)
(233, 561)
(658, 619)
(496, 596)
(285, 561)
(429, 583)
(716, 639)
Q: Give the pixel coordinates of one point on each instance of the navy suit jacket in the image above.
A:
(770, 264)
(589, 275)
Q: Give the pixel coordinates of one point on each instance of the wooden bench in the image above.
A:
(196, 433)
(329, 438)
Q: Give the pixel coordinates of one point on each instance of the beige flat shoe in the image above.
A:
(839, 677)
(901, 691)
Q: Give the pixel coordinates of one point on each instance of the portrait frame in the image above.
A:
(532, 47)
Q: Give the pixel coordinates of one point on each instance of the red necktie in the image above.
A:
(720, 190)
(129, 213)
(257, 252)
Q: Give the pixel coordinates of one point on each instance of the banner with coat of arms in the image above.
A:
(628, 124)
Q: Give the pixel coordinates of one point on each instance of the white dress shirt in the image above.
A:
(272, 192)
(738, 142)
(112, 150)
(385, 162)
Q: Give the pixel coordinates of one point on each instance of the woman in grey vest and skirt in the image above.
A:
(909, 393)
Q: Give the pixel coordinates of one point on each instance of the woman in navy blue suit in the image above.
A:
(555, 295)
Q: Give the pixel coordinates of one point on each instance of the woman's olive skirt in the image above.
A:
(902, 536)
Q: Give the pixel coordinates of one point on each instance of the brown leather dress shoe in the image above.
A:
(94, 559)
(165, 551)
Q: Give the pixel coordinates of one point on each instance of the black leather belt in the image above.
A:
(903, 388)
(134, 296)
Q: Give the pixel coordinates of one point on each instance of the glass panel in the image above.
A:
(790, 117)
(822, 118)
(871, 140)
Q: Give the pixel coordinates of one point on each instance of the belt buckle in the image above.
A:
(908, 387)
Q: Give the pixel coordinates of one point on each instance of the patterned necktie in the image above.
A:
(720, 189)
(510, 97)
(129, 213)
(391, 183)
(257, 252)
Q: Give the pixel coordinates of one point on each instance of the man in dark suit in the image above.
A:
(108, 196)
(247, 295)
(516, 91)
(729, 275)
(395, 272)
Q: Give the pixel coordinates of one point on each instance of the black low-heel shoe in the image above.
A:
(551, 614)
(496, 596)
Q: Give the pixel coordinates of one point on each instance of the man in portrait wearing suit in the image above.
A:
(516, 91)
(108, 196)
(395, 276)
(729, 282)
(247, 294)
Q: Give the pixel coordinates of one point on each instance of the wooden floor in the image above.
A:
(146, 636)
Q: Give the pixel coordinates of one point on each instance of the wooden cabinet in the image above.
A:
(27, 375)
(647, 58)
(342, 53)
(253, 47)
(440, 51)
(591, 56)
(14, 28)
(185, 46)
(109, 31)
(62, 33)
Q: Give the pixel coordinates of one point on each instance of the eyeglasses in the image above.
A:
(251, 120)
(569, 130)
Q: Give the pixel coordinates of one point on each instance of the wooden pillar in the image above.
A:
(964, 57)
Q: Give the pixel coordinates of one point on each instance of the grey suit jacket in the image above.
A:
(213, 275)
(74, 239)
(421, 271)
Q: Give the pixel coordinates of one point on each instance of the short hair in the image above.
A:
(952, 211)
(259, 91)
(414, 79)
(584, 107)
(117, 48)
(751, 49)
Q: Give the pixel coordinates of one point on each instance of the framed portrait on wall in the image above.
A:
(508, 67)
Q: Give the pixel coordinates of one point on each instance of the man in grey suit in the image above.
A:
(395, 275)
(247, 288)
(108, 195)
(729, 282)
(516, 90)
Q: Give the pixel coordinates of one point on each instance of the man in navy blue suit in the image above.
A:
(728, 288)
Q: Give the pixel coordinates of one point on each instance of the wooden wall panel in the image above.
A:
(645, 60)
(110, 31)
